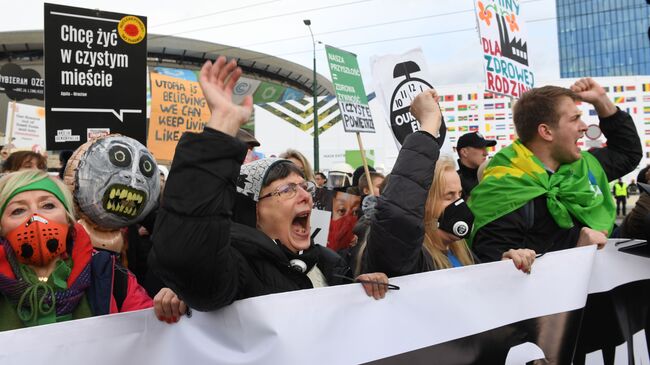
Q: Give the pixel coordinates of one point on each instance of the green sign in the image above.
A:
(353, 158)
(349, 90)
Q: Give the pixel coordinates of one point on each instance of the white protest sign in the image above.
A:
(28, 127)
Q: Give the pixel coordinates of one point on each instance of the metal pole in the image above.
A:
(314, 92)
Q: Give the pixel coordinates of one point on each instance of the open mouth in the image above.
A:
(300, 224)
(124, 200)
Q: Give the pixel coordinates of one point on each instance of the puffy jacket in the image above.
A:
(112, 288)
(394, 243)
(199, 252)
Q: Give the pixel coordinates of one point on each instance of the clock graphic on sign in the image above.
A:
(401, 121)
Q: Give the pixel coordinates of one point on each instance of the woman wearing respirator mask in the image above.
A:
(421, 221)
(49, 272)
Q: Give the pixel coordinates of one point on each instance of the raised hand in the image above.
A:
(217, 81)
(426, 110)
(591, 92)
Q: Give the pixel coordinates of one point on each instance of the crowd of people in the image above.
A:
(227, 227)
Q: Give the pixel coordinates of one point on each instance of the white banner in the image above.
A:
(27, 132)
(338, 325)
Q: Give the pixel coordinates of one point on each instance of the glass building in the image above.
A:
(603, 38)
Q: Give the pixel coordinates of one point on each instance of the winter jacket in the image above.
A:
(394, 243)
(468, 179)
(112, 288)
(533, 227)
(200, 253)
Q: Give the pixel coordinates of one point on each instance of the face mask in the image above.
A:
(37, 241)
(457, 219)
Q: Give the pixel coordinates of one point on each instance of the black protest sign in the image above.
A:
(20, 84)
(95, 66)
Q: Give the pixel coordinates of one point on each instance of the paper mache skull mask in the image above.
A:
(114, 181)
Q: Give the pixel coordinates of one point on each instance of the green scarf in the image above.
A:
(515, 176)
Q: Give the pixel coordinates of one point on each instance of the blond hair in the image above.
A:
(432, 243)
(308, 171)
(12, 181)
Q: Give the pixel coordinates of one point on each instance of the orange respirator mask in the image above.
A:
(38, 241)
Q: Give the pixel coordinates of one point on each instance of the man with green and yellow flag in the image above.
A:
(542, 192)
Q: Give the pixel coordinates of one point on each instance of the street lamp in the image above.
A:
(315, 86)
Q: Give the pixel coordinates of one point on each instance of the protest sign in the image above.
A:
(26, 127)
(349, 90)
(177, 106)
(95, 66)
(400, 78)
(505, 47)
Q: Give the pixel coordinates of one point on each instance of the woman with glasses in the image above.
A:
(226, 231)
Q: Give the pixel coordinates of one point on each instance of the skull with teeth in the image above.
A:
(114, 180)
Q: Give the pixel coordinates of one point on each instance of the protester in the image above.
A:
(301, 161)
(542, 192)
(620, 193)
(56, 276)
(376, 178)
(472, 152)
(21, 160)
(320, 179)
(205, 256)
(421, 219)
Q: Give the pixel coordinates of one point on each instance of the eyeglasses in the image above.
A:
(289, 190)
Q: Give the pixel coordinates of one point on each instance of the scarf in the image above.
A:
(515, 176)
(38, 302)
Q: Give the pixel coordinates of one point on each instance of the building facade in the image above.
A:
(603, 38)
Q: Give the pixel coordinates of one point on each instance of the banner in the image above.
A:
(96, 72)
(177, 106)
(480, 314)
(27, 132)
(350, 93)
(20, 84)
(505, 47)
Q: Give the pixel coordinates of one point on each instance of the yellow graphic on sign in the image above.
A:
(131, 29)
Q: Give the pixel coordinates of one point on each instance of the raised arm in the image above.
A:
(394, 244)
(623, 152)
(191, 251)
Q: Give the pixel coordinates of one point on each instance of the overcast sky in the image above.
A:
(444, 29)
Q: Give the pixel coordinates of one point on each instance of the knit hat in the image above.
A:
(249, 184)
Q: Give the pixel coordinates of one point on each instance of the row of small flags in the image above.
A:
(620, 88)
(470, 96)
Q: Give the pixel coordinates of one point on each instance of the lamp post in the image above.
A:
(315, 86)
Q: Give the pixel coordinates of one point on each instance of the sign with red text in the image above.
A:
(505, 47)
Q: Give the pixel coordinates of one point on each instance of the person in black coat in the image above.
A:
(222, 235)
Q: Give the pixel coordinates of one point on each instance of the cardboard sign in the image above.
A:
(95, 66)
(320, 226)
(177, 106)
(349, 90)
(505, 47)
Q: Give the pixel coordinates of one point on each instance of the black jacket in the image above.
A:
(394, 243)
(533, 227)
(199, 252)
(468, 179)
